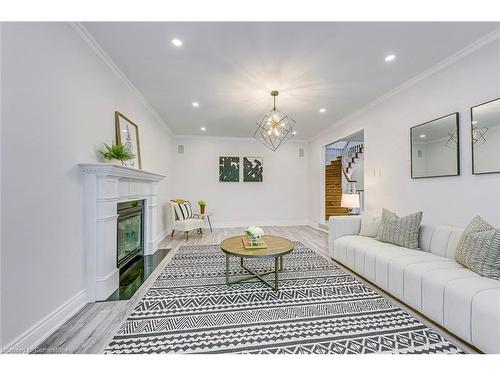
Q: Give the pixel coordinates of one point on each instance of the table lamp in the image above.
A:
(350, 201)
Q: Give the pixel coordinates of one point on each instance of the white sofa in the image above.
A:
(429, 280)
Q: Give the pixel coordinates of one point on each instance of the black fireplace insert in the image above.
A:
(130, 232)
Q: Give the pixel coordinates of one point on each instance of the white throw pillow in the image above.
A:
(369, 225)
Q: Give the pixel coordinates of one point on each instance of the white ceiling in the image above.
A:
(231, 68)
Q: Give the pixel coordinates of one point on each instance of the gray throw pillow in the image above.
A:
(479, 249)
(401, 231)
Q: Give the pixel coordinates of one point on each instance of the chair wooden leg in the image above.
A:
(173, 231)
(187, 235)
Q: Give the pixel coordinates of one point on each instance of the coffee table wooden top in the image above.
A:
(276, 246)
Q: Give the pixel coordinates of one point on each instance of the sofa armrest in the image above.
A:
(340, 226)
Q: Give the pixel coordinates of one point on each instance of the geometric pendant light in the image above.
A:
(275, 127)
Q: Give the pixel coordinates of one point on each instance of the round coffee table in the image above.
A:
(277, 247)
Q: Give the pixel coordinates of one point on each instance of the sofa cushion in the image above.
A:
(344, 245)
(485, 324)
(479, 249)
(459, 296)
(413, 277)
(397, 270)
(401, 231)
(433, 287)
(369, 225)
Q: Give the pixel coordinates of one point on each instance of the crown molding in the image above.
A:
(464, 52)
(99, 51)
(221, 138)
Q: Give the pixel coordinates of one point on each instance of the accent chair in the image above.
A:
(179, 223)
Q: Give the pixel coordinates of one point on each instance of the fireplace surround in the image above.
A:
(105, 186)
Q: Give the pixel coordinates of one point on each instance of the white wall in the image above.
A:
(58, 102)
(280, 199)
(467, 82)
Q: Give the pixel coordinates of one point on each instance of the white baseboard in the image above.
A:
(318, 226)
(151, 247)
(260, 223)
(162, 236)
(106, 285)
(34, 336)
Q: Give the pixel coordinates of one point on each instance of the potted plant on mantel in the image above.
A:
(202, 204)
(116, 154)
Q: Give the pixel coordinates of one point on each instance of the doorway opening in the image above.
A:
(344, 176)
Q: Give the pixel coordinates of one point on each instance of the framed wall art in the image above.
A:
(127, 134)
(252, 169)
(229, 168)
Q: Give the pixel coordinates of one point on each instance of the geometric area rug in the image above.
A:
(319, 308)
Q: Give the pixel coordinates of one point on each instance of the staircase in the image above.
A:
(333, 189)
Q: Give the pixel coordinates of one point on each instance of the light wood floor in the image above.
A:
(91, 329)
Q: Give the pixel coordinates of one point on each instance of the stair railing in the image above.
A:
(347, 182)
(350, 149)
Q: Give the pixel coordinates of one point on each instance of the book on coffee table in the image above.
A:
(253, 245)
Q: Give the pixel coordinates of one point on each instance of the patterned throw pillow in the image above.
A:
(479, 249)
(401, 231)
(183, 210)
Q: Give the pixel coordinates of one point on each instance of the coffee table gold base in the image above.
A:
(278, 267)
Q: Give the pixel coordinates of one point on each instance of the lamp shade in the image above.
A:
(350, 201)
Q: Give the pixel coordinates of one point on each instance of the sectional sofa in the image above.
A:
(429, 280)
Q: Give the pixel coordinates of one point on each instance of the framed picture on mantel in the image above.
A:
(127, 134)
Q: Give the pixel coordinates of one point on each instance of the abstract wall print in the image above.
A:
(127, 133)
(252, 169)
(229, 169)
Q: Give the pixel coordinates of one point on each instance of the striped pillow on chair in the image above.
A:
(183, 210)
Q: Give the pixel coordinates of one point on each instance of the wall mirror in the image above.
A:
(435, 148)
(485, 137)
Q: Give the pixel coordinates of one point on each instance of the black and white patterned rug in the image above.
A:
(319, 308)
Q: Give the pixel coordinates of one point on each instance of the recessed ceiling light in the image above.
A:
(422, 135)
(322, 110)
(203, 128)
(195, 104)
(177, 42)
(390, 58)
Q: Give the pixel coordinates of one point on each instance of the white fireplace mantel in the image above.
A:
(106, 185)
